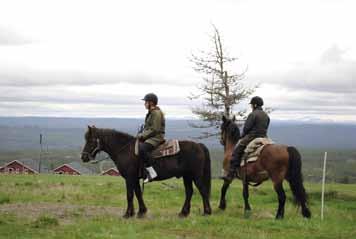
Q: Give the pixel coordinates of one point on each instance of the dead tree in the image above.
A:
(221, 90)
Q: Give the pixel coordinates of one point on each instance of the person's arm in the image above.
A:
(155, 126)
(250, 121)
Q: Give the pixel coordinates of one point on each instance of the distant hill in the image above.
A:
(67, 133)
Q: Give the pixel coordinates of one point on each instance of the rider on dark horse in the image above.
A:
(152, 135)
(256, 126)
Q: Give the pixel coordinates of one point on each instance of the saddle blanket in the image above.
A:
(254, 148)
(168, 148)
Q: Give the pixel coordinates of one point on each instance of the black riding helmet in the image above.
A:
(256, 100)
(151, 97)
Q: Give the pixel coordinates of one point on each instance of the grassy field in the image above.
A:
(54, 206)
(341, 164)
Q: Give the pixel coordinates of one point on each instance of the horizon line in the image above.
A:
(286, 121)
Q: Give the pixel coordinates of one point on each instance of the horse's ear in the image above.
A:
(233, 119)
(224, 118)
(89, 130)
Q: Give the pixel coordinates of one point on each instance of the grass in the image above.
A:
(45, 221)
(58, 206)
(4, 199)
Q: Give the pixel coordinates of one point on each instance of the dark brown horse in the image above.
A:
(192, 163)
(277, 162)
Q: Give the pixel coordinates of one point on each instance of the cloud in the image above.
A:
(24, 77)
(25, 91)
(9, 37)
(332, 73)
(324, 88)
(79, 109)
(110, 95)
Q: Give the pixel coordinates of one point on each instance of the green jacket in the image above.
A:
(154, 130)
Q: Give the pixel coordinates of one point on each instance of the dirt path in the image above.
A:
(60, 211)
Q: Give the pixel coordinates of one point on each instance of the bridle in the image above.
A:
(97, 149)
(223, 137)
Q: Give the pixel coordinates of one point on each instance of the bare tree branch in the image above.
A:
(222, 89)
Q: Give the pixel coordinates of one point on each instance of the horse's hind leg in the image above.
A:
(204, 192)
(141, 204)
(278, 187)
(224, 189)
(245, 196)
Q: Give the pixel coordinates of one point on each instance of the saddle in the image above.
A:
(167, 148)
(254, 148)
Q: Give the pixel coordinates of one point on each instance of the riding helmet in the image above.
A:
(256, 100)
(151, 97)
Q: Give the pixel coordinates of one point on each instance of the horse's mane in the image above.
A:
(113, 134)
(232, 131)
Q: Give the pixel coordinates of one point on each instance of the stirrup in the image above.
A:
(229, 177)
(151, 175)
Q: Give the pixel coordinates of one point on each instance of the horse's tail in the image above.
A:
(207, 169)
(295, 178)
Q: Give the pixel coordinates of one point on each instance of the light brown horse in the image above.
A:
(276, 162)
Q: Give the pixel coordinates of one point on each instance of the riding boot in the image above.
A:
(234, 163)
(151, 172)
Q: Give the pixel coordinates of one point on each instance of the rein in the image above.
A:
(99, 149)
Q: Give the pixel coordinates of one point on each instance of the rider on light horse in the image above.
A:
(256, 126)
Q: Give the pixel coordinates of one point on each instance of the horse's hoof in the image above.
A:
(141, 215)
(279, 217)
(207, 213)
(183, 215)
(128, 215)
(247, 214)
(306, 213)
(222, 206)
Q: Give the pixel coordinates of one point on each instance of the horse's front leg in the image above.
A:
(141, 204)
(188, 186)
(224, 188)
(245, 193)
(130, 186)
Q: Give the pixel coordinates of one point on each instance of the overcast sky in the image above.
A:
(99, 58)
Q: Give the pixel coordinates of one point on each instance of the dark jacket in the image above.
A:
(154, 130)
(256, 124)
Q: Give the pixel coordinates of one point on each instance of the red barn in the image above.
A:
(111, 172)
(73, 168)
(66, 169)
(17, 167)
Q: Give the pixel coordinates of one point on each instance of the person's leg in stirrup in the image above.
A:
(145, 153)
(235, 162)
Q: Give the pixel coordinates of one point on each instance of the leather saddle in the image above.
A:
(167, 148)
(254, 148)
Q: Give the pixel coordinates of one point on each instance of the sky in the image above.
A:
(99, 58)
